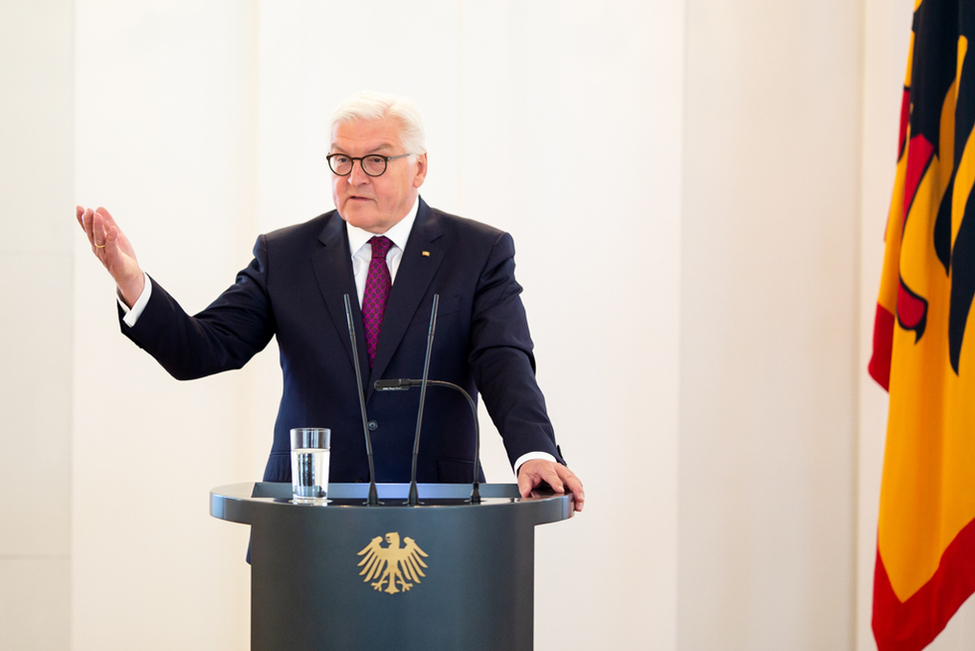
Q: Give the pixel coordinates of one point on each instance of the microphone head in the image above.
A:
(400, 384)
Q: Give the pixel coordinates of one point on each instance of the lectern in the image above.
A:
(443, 575)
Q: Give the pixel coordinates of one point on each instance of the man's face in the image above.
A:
(375, 203)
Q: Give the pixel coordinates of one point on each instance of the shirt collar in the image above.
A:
(399, 233)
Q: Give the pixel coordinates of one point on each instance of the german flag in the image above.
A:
(926, 529)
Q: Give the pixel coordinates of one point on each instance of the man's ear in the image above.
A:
(421, 170)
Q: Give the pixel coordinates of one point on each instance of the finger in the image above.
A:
(109, 225)
(111, 257)
(575, 487)
(111, 241)
(86, 221)
(555, 474)
(80, 214)
(105, 223)
(568, 477)
(89, 223)
(107, 218)
(97, 234)
(530, 475)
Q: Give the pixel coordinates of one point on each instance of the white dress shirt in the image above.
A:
(362, 250)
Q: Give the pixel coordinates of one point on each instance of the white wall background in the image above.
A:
(697, 190)
(768, 324)
(36, 184)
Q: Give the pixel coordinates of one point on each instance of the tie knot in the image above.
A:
(380, 246)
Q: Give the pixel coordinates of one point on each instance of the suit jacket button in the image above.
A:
(373, 426)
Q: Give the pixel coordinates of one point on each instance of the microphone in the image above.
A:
(373, 495)
(396, 385)
(414, 498)
(404, 384)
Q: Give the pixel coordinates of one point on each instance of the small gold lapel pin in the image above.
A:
(425, 254)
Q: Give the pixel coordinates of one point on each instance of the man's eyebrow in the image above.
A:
(385, 147)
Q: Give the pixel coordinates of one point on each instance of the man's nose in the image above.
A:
(358, 176)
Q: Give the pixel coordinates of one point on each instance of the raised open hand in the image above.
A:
(113, 250)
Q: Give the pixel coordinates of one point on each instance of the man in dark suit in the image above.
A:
(385, 247)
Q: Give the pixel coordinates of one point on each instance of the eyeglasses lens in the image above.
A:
(371, 165)
(374, 165)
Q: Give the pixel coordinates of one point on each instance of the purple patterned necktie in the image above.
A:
(376, 292)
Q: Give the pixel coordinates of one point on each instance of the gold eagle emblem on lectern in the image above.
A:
(392, 565)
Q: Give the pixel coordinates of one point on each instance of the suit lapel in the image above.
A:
(420, 262)
(333, 270)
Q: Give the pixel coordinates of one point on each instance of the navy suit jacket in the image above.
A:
(293, 289)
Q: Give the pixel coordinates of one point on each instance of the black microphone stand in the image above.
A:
(373, 494)
(414, 496)
(404, 385)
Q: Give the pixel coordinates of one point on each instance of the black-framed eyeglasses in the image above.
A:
(373, 164)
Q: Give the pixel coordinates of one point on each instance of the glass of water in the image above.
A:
(309, 464)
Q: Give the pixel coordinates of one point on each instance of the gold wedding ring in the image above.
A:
(99, 246)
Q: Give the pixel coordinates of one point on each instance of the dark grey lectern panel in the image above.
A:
(308, 589)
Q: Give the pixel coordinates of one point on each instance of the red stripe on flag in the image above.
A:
(883, 343)
(918, 157)
(913, 624)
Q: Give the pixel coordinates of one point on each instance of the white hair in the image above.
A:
(370, 105)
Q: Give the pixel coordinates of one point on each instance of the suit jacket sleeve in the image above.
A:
(502, 360)
(224, 336)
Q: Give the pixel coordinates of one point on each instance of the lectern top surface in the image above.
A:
(389, 494)
(238, 502)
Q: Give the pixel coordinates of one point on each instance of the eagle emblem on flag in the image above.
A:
(393, 566)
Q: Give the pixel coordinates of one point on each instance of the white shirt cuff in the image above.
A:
(132, 314)
(532, 455)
